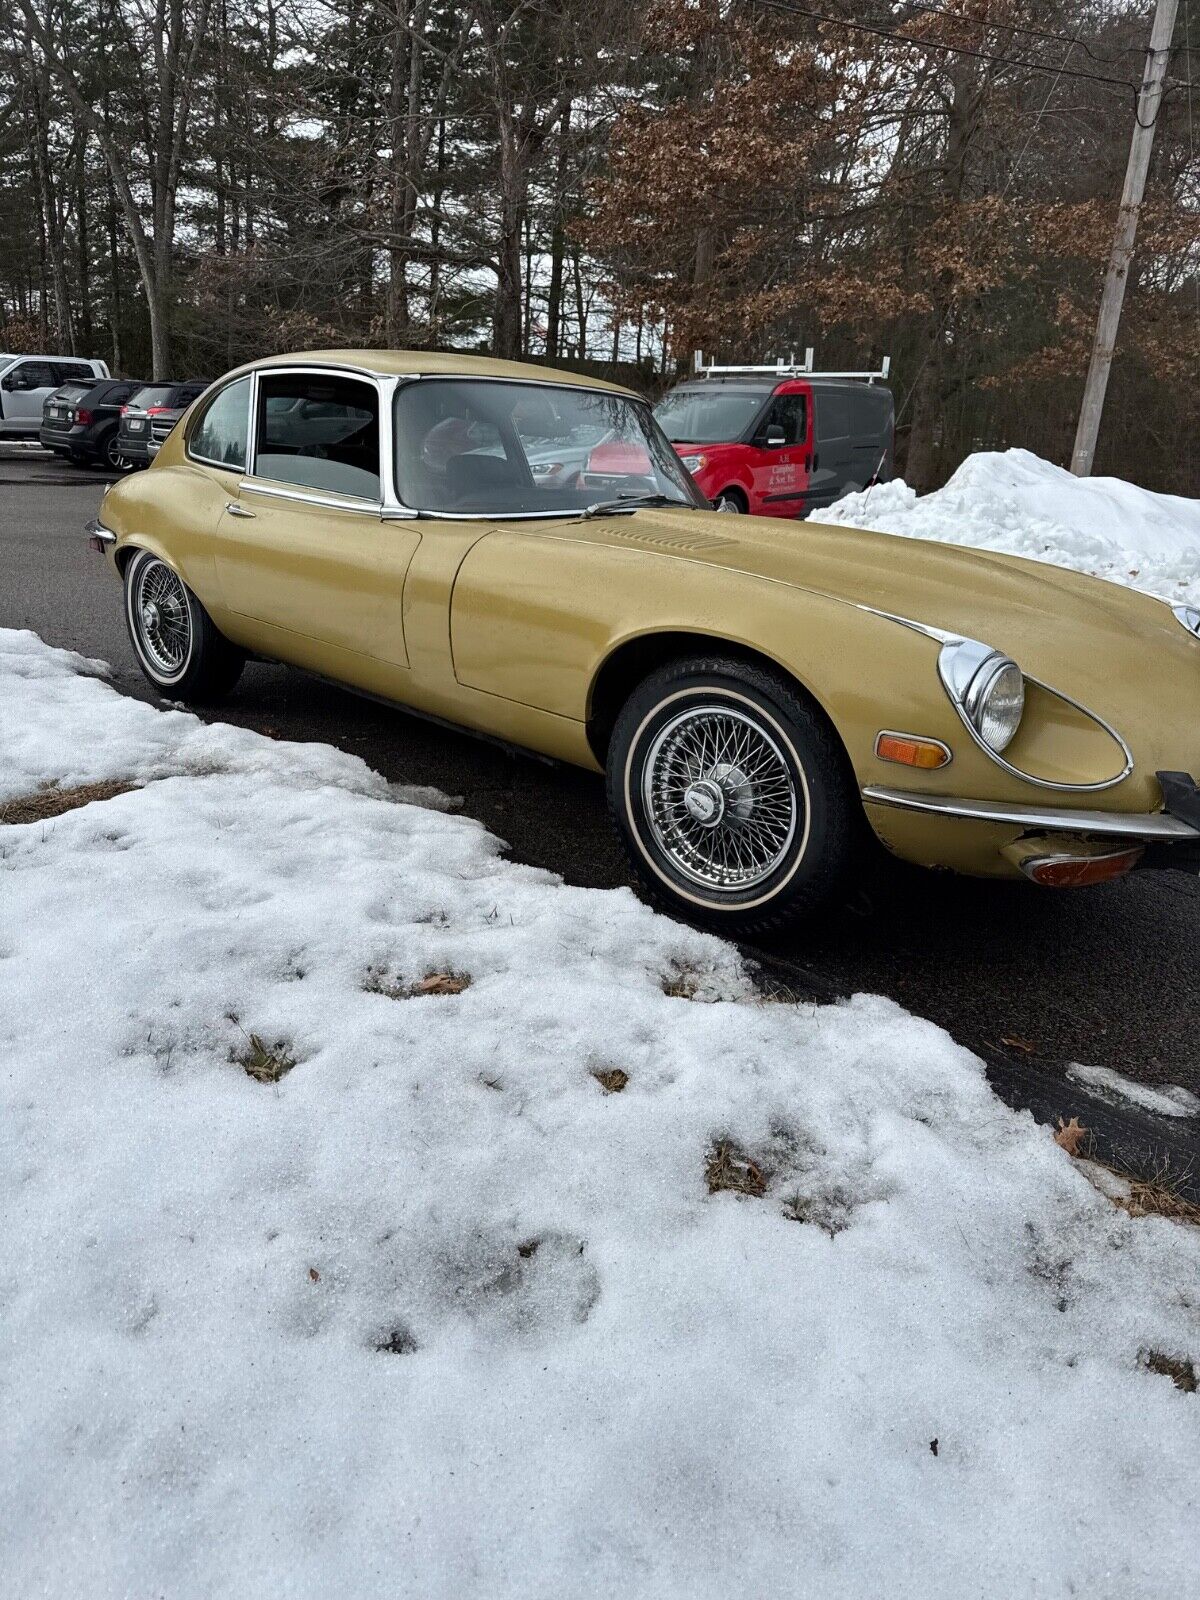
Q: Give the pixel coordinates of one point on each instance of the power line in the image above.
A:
(908, 42)
(988, 23)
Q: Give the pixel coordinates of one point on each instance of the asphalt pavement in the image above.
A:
(1031, 980)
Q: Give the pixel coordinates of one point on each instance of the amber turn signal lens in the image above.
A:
(1077, 872)
(910, 751)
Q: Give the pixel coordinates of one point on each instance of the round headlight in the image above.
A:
(999, 705)
(988, 689)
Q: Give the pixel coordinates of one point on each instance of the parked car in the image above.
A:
(81, 421)
(27, 382)
(761, 704)
(151, 414)
(780, 442)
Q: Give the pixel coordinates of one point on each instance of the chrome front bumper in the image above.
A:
(1153, 827)
(99, 538)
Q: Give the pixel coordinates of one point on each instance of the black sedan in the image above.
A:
(80, 421)
(151, 414)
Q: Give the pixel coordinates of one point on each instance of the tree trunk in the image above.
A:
(506, 338)
(558, 242)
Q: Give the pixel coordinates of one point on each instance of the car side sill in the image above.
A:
(1155, 825)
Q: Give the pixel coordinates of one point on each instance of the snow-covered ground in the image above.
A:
(1015, 502)
(437, 1314)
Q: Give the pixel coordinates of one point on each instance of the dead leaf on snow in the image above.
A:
(1071, 1137)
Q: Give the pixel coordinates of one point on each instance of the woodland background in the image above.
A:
(187, 184)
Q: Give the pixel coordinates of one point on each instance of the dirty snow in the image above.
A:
(436, 1315)
(1015, 502)
(1166, 1100)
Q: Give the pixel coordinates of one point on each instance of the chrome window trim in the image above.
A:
(277, 489)
(217, 390)
(1132, 825)
(316, 497)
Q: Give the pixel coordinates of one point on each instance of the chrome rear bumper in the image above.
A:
(1157, 827)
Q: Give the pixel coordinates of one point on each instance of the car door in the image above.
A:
(302, 545)
(26, 387)
(831, 460)
(778, 472)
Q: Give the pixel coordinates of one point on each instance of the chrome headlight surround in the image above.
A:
(1188, 617)
(987, 689)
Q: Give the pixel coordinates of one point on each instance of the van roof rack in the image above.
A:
(790, 368)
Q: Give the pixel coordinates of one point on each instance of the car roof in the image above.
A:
(433, 363)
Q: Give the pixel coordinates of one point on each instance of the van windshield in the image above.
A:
(485, 447)
(709, 416)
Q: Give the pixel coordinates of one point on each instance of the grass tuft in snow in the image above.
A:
(263, 1062)
(728, 1167)
(1181, 1372)
(611, 1079)
(1157, 1196)
(51, 801)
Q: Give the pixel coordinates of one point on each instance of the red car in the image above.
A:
(780, 443)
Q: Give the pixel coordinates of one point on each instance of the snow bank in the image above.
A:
(437, 1315)
(1017, 503)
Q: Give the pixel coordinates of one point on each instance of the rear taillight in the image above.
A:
(84, 417)
(156, 411)
(124, 409)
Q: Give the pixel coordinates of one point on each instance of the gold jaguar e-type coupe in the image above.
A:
(520, 551)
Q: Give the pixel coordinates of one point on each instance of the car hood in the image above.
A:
(1077, 633)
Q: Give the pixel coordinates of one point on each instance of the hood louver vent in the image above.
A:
(670, 541)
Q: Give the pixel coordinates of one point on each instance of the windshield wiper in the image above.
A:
(629, 502)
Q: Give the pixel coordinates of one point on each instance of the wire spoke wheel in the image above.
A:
(164, 623)
(720, 798)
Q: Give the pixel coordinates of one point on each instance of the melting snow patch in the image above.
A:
(1015, 502)
(431, 1314)
(1166, 1100)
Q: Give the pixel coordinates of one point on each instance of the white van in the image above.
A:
(26, 382)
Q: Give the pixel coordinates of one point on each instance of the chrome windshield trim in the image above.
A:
(309, 497)
(1130, 825)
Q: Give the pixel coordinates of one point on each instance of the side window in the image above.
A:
(221, 431)
(788, 413)
(871, 412)
(67, 371)
(30, 375)
(319, 433)
(833, 415)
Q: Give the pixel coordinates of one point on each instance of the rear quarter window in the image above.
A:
(832, 414)
(871, 413)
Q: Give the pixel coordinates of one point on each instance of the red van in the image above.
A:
(781, 441)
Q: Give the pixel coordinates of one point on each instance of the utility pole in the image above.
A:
(1117, 275)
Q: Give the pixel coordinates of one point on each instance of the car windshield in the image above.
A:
(708, 416)
(481, 447)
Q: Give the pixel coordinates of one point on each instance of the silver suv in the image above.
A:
(26, 382)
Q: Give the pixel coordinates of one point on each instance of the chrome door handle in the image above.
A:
(235, 509)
